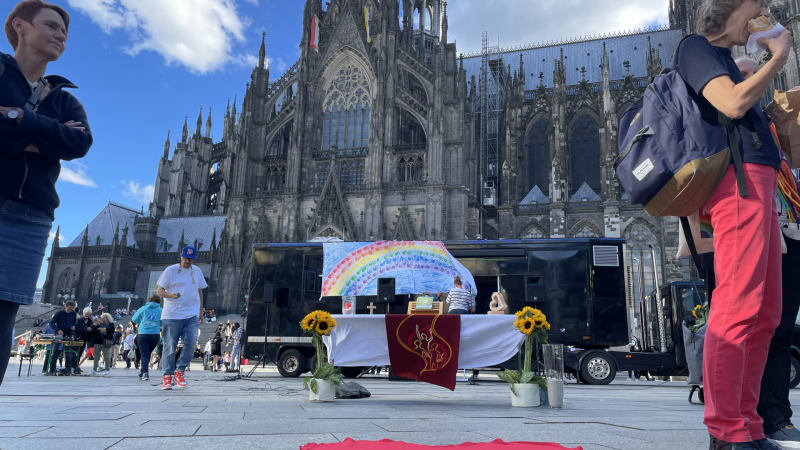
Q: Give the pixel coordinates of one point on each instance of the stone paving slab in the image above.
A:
(274, 413)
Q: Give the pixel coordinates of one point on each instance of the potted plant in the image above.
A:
(525, 384)
(322, 384)
(701, 314)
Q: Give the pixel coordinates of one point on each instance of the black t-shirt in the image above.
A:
(698, 63)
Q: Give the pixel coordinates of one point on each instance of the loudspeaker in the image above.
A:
(385, 290)
(269, 293)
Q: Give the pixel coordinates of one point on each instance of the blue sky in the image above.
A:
(143, 65)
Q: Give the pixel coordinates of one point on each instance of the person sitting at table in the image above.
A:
(460, 299)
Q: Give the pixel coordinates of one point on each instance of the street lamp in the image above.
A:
(129, 297)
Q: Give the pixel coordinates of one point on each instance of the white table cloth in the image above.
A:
(486, 340)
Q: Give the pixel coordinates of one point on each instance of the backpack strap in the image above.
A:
(687, 233)
(733, 138)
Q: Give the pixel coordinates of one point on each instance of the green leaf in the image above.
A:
(305, 382)
(314, 385)
(336, 378)
(526, 377)
(512, 389)
(509, 376)
(324, 371)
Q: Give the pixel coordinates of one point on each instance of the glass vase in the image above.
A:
(553, 359)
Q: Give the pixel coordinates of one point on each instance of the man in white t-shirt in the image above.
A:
(181, 286)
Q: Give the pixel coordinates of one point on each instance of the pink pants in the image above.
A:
(746, 306)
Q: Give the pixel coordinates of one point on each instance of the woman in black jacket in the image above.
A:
(40, 125)
(103, 334)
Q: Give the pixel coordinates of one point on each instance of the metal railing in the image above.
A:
(421, 146)
(341, 153)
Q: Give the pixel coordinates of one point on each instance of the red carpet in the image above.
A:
(498, 444)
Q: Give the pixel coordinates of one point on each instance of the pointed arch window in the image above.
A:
(275, 179)
(95, 281)
(538, 149)
(410, 169)
(584, 151)
(351, 173)
(323, 169)
(346, 111)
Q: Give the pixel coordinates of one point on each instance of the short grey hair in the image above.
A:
(713, 14)
(87, 310)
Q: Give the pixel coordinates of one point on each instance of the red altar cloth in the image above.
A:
(424, 347)
(387, 444)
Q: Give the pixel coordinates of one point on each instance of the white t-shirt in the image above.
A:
(185, 282)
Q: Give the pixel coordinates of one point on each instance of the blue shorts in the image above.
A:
(24, 230)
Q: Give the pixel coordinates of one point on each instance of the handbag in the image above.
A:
(108, 343)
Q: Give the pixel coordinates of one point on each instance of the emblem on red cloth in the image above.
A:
(424, 347)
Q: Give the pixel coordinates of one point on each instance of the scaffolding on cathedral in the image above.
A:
(492, 92)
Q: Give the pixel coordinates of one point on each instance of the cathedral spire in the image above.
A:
(208, 124)
(199, 121)
(57, 237)
(228, 110)
(233, 112)
(166, 147)
(185, 132)
(445, 25)
(116, 235)
(262, 52)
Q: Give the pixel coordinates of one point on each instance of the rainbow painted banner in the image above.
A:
(352, 268)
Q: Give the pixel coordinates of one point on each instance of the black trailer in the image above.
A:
(578, 283)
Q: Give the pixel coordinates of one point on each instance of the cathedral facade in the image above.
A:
(383, 130)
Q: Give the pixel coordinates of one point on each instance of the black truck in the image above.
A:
(578, 283)
(582, 286)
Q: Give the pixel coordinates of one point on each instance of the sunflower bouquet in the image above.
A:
(700, 313)
(320, 323)
(533, 324)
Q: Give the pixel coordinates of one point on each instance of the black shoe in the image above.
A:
(719, 444)
(786, 437)
(765, 444)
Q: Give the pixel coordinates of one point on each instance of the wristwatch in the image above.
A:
(13, 113)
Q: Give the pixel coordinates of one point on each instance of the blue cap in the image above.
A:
(189, 252)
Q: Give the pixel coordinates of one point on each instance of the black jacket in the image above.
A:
(100, 337)
(26, 177)
(62, 321)
(80, 329)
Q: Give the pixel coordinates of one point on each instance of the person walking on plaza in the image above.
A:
(236, 353)
(181, 286)
(127, 344)
(460, 300)
(746, 303)
(216, 350)
(115, 350)
(103, 343)
(63, 324)
(227, 333)
(149, 319)
(36, 135)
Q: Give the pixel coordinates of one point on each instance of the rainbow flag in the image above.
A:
(353, 268)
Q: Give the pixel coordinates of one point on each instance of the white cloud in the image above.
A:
(518, 22)
(276, 66)
(53, 236)
(75, 173)
(198, 34)
(134, 190)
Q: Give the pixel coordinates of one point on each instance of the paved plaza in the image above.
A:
(122, 413)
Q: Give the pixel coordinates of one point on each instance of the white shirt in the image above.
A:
(128, 342)
(186, 282)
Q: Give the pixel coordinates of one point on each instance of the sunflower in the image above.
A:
(527, 311)
(547, 325)
(525, 325)
(309, 321)
(324, 325)
(539, 321)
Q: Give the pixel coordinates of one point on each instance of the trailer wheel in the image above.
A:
(291, 363)
(598, 368)
(794, 373)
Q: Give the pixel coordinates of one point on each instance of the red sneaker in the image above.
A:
(180, 381)
(167, 382)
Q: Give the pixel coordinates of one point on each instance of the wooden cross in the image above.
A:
(371, 308)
